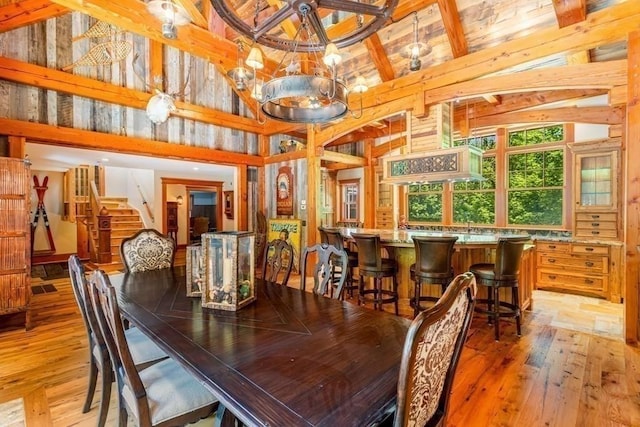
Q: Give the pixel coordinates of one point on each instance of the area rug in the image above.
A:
(56, 270)
(44, 288)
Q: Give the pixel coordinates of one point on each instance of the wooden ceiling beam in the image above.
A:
(26, 12)
(346, 159)
(194, 13)
(387, 147)
(605, 26)
(519, 101)
(60, 81)
(602, 75)
(89, 140)
(453, 27)
(379, 57)
(598, 115)
(571, 12)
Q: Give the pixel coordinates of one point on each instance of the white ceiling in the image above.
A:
(60, 159)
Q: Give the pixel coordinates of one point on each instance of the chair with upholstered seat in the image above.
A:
(144, 352)
(164, 394)
(433, 266)
(146, 250)
(430, 357)
(372, 265)
(277, 262)
(329, 271)
(501, 274)
(334, 238)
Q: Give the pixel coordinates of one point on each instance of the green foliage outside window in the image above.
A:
(541, 135)
(476, 201)
(425, 202)
(535, 188)
(485, 142)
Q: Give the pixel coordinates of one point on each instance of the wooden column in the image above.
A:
(631, 150)
(104, 236)
(263, 149)
(501, 178)
(369, 186)
(243, 196)
(314, 204)
(17, 146)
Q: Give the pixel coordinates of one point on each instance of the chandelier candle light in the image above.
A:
(312, 93)
(171, 15)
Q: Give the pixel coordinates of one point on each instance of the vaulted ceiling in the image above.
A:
(560, 49)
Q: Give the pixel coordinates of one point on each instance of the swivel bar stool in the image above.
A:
(371, 264)
(503, 274)
(433, 266)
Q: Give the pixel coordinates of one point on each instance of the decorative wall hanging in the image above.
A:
(41, 211)
(103, 53)
(284, 191)
(289, 230)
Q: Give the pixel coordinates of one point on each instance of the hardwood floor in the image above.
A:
(551, 376)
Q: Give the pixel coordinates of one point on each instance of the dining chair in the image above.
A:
(146, 250)
(329, 272)
(430, 355)
(164, 394)
(504, 273)
(334, 237)
(144, 351)
(277, 262)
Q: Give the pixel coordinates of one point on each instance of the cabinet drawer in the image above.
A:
(556, 247)
(608, 216)
(597, 225)
(591, 233)
(597, 284)
(584, 248)
(581, 263)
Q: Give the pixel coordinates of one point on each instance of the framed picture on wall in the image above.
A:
(228, 204)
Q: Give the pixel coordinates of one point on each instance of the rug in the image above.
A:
(56, 270)
(44, 288)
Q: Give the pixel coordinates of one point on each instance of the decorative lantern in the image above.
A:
(195, 271)
(229, 270)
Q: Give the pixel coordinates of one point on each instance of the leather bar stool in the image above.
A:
(502, 274)
(371, 264)
(334, 238)
(433, 267)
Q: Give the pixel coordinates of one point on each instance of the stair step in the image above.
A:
(125, 218)
(122, 212)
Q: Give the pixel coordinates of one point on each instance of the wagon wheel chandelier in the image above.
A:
(314, 95)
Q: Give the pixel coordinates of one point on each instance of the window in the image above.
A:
(475, 202)
(425, 202)
(535, 179)
(350, 200)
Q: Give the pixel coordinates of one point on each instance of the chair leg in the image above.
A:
(516, 303)
(496, 311)
(361, 290)
(105, 399)
(124, 416)
(416, 297)
(395, 291)
(377, 295)
(91, 389)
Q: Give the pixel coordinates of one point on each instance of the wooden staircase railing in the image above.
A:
(101, 222)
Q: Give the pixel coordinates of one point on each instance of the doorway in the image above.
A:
(203, 212)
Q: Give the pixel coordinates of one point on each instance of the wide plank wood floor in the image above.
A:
(551, 376)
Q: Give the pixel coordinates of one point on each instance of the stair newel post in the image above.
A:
(104, 236)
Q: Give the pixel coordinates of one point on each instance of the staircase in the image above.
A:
(125, 222)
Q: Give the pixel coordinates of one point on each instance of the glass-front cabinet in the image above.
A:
(596, 189)
(384, 203)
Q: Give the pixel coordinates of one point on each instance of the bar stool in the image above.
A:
(433, 266)
(334, 238)
(371, 264)
(503, 274)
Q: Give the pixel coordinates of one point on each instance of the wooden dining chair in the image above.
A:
(164, 394)
(277, 262)
(148, 249)
(329, 272)
(144, 351)
(430, 356)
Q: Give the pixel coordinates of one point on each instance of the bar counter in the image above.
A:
(470, 248)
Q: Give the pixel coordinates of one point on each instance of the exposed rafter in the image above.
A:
(26, 12)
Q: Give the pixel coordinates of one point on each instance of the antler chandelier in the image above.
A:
(309, 90)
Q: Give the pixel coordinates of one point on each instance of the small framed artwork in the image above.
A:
(228, 204)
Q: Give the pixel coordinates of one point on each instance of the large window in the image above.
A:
(425, 202)
(350, 200)
(536, 178)
(475, 202)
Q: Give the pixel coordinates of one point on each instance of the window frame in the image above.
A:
(343, 185)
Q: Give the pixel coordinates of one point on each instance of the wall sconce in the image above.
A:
(179, 200)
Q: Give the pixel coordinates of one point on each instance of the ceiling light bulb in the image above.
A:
(331, 55)
(360, 85)
(415, 64)
(254, 60)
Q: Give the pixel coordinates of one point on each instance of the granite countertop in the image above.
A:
(405, 236)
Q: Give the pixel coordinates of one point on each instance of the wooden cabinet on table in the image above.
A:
(15, 238)
(171, 212)
(591, 269)
(384, 203)
(596, 213)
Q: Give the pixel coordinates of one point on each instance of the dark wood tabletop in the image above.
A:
(291, 358)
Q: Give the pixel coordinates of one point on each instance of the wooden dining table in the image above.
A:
(291, 358)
